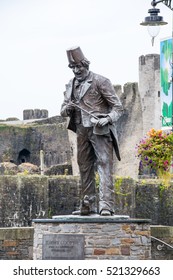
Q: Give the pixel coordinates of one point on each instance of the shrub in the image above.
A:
(155, 151)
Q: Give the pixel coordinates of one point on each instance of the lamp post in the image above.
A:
(153, 22)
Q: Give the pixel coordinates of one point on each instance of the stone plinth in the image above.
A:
(114, 237)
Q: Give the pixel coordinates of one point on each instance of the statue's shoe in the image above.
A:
(84, 212)
(105, 212)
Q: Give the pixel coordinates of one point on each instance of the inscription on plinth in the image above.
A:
(63, 247)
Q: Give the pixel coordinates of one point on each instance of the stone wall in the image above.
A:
(23, 198)
(154, 200)
(16, 243)
(145, 198)
(63, 194)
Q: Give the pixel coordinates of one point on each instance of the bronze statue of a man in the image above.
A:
(93, 108)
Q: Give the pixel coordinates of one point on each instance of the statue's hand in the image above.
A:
(70, 107)
(103, 121)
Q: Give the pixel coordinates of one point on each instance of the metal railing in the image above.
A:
(160, 247)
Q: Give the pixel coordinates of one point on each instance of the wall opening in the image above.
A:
(24, 156)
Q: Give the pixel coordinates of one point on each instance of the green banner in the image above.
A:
(166, 84)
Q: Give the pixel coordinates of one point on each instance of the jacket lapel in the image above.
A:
(86, 86)
(84, 89)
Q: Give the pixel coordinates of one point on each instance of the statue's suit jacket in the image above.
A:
(98, 97)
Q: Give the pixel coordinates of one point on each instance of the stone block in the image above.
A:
(112, 251)
(10, 243)
(99, 251)
(125, 250)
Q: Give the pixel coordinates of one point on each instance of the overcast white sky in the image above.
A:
(34, 36)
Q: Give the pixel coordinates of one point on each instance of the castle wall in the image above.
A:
(149, 88)
(129, 127)
(35, 114)
(49, 136)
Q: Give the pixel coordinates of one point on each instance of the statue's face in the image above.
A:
(79, 71)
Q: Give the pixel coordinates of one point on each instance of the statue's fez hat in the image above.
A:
(75, 55)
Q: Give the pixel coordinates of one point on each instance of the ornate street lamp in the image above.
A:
(153, 22)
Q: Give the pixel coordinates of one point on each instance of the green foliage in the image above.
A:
(66, 171)
(162, 188)
(3, 127)
(9, 172)
(118, 183)
(50, 212)
(97, 179)
(6, 155)
(24, 173)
